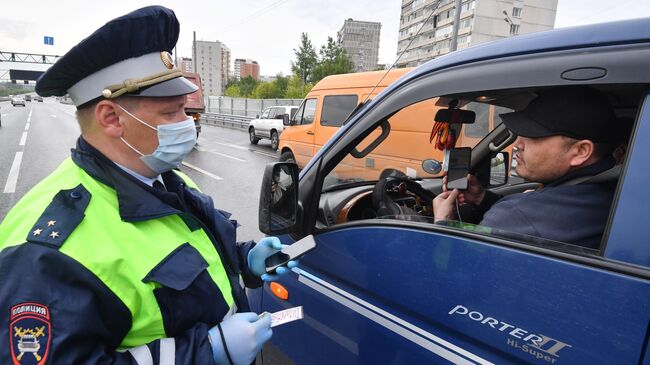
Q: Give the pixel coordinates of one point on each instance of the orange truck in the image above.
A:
(329, 103)
(195, 104)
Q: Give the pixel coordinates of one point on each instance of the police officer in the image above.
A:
(116, 258)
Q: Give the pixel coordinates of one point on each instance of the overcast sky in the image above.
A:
(264, 30)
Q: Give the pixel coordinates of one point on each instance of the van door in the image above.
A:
(335, 111)
(399, 294)
(301, 136)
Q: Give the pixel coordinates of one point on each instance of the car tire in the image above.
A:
(275, 140)
(287, 156)
(251, 136)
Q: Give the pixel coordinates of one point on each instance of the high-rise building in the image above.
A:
(245, 68)
(185, 64)
(361, 42)
(213, 64)
(480, 21)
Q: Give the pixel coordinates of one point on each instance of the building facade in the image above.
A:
(213, 65)
(480, 21)
(361, 42)
(245, 68)
(185, 64)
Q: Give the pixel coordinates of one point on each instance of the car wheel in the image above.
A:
(275, 140)
(251, 136)
(287, 156)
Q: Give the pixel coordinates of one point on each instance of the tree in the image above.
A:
(247, 85)
(267, 90)
(306, 59)
(233, 91)
(296, 89)
(282, 82)
(333, 60)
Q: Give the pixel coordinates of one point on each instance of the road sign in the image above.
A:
(48, 40)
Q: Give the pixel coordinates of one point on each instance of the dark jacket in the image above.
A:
(575, 214)
(88, 321)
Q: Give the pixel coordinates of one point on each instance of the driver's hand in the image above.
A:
(444, 205)
(474, 193)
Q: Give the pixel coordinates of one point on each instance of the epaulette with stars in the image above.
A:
(61, 217)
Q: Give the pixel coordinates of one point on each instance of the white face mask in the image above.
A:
(175, 141)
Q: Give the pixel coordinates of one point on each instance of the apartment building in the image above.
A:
(213, 64)
(480, 21)
(245, 68)
(360, 40)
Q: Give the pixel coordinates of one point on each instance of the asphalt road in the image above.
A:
(35, 139)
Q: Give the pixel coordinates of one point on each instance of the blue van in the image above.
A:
(398, 289)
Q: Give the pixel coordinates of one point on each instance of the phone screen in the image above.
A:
(292, 252)
(459, 159)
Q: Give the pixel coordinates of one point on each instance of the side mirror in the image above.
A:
(499, 163)
(285, 119)
(278, 212)
(493, 171)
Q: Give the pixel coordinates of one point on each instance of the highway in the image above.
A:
(35, 139)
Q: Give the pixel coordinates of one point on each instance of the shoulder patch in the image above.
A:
(29, 333)
(61, 217)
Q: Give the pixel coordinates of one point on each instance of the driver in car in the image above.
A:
(564, 137)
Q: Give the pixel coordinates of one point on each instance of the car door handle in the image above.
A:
(311, 133)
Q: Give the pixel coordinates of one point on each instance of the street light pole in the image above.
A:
(454, 33)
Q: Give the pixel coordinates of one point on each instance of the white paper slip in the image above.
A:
(285, 316)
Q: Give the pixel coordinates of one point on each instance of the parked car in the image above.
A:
(17, 100)
(28, 97)
(399, 289)
(270, 124)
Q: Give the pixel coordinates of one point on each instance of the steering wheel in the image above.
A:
(385, 206)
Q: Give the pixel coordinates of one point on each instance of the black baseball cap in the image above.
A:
(578, 112)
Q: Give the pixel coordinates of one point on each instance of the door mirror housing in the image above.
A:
(278, 210)
(285, 119)
(494, 171)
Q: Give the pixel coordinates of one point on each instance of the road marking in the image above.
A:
(27, 126)
(263, 153)
(30, 114)
(201, 149)
(10, 186)
(23, 139)
(233, 146)
(209, 174)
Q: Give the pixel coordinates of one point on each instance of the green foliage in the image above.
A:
(306, 59)
(311, 68)
(267, 90)
(333, 60)
(7, 88)
(233, 91)
(296, 89)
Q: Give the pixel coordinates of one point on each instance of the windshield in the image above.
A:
(410, 143)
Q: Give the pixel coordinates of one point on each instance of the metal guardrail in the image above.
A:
(226, 120)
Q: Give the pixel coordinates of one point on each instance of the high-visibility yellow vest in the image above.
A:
(119, 253)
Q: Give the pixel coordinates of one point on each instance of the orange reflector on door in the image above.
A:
(279, 291)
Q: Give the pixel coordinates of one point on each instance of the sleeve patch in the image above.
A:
(29, 333)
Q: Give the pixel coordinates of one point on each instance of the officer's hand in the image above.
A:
(244, 333)
(258, 254)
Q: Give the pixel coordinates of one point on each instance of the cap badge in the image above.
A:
(167, 59)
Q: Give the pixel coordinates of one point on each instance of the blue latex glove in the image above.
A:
(245, 334)
(258, 254)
